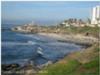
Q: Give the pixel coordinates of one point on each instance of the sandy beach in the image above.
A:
(78, 38)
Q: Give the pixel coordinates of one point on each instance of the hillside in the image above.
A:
(85, 62)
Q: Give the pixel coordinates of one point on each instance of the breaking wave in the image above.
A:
(19, 43)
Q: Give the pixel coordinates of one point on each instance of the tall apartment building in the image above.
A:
(95, 15)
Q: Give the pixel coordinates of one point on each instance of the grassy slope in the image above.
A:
(85, 62)
(71, 65)
(82, 30)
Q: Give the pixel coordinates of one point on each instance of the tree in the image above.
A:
(75, 20)
(81, 21)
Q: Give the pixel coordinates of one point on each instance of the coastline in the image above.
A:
(88, 35)
(88, 41)
(72, 38)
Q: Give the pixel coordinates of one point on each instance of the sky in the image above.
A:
(45, 11)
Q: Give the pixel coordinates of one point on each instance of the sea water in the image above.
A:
(21, 48)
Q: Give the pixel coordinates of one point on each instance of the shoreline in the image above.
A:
(80, 39)
(72, 38)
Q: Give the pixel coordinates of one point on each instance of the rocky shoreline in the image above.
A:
(16, 69)
(82, 39)
(31, 69)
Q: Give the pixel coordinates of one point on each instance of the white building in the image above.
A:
(95, 15)
(66, 24)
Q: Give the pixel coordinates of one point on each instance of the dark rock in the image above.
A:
(7, 67)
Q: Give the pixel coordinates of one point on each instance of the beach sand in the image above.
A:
(78, 38)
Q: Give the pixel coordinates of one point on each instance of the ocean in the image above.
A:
(22, 48)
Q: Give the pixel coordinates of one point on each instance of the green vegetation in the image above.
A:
(93, 31)
(92, 64)
(70, 65)
(62, 68)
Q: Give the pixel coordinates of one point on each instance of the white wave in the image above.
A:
(19, 43)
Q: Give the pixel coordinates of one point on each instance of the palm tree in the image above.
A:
(80, 21)
(75, 20)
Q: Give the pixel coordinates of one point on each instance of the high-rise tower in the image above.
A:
(95, 15)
